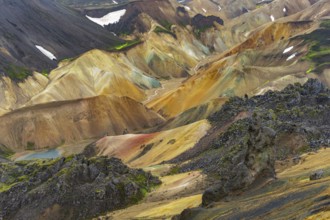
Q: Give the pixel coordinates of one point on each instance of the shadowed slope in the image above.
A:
(58, 29)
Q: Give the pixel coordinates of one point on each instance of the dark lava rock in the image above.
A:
(240, 149)
(295, 114)
(69, 188)
(254, 161)
(3, 159)
(316, 175)
(202, 22)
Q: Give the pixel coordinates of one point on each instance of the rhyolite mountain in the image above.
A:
(55, 27)
(206, 109)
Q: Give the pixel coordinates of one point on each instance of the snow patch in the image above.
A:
(291, 57)
(272, 18)
(187, 8)
(110, 18)
(219, 8)
(284, 10)
(287, 50)
(204, 10)
(46, 52)
(115, 2)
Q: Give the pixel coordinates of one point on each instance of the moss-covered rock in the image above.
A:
(78, 187)
(299, 115)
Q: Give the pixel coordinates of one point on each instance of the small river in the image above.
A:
(49, 154)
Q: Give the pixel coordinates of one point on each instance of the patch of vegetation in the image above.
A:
(325, 24)
(45, 72)
(5, 152)
(17, 73)
(174, 170)
(71, 179)
(166, 24)
(69, 158)
(159, 29)
(68, 59)
(141, 179)
(6, 187)
(304, 149)
(30, 146)
(125, 46)
(199, 30)
(319, 50)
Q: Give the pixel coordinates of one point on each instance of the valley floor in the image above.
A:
(283, 198)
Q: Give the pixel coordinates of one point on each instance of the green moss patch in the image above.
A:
(17, 73)
(159, 30)
(104, 183)
(125, 46)
(319, 50)
(5, 152)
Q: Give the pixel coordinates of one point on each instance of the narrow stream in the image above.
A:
(49, 154)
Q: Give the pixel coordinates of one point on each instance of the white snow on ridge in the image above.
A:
(187, 8)
(110, 18)
(291, 57)
(272, 18)
(46, 52)
(287, 50)
(115, 2)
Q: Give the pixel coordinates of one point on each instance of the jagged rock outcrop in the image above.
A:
(202, 22)
(241, 148)
(316, 175)
(69, 188)
(254, 160)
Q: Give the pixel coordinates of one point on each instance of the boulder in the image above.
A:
(316, 175)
